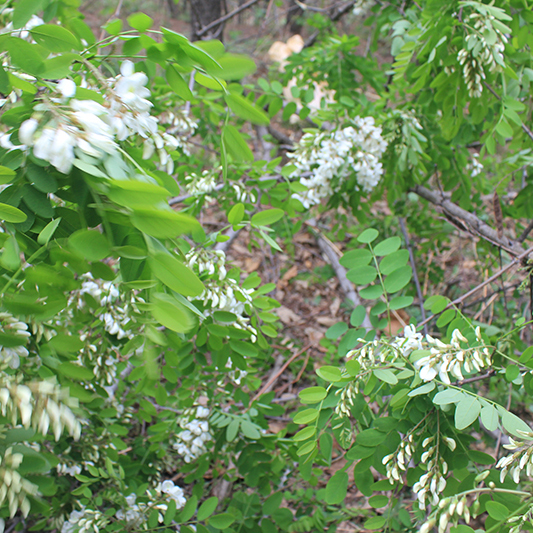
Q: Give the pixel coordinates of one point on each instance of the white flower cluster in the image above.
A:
(362, 7)
(12, 327)
(451, 358)
(475, 166)
(84, 521)
(433, 482)
(118, 309)
(397, 462)
(521, 522)
(521, 459)
(485, 44)
(451, 510)
(204, 183)
(71, 470)
(182, 127)
(65, 129)
(192, 442)
(41, 405)
(13, 486)
(135, 514)
(222, 293)
(443, 358)
(331, 158)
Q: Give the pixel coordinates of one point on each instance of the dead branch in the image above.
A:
(227, 16)
(327, 249)
(468, 221)
(494, 277)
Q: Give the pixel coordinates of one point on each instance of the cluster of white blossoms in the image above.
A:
(134, 515)
(521, 522)
(164, 492)
(18, 331)
(64, 129)
(520, 459)
(202, 184)
(444, 359)
(397, 462)
(43, 405)
(222, 293)
(485, 44)
(433, 482)
(84, 521)
(450, 510)
(331, 157)
(362, 7)
(70, 470)
(13, 487)
(475, 167)
(192, 441)
(181, 126)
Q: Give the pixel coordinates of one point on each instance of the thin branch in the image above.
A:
(272, 379)
(115, 15)
(526, 232)
(342, 11)
(462, 382)
(468, 221)
(415, 275)
(481, 285)
(327, 249)
(229, 15)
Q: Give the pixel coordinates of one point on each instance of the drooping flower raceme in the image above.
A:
(521, 458)
(222, 293)
(330, 158)
(192, 441)
(64, 128)
(485, 44)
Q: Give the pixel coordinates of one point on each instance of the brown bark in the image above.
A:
(204, 12)
(294, 14)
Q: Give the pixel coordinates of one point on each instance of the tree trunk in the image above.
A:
(204, 12)
(293, 17)
(173, 8)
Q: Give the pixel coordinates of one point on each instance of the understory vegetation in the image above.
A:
(246, 291)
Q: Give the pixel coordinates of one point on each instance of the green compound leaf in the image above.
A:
(177, 83)
(245, 109)
(90, 244)
(335, 331)
(306, 416)
(362, 275)
(312, 394)
(175, 275)
(368, 236)
(172, 314)
(388, 246)
(55, 38)
(398, 279)
(497, 510)
(467, 411)
(140, 22)
(329, 373)
(356, 258)
(207, 508)
(267, 217)
(305, 434)
(12, 214)
(337, 488)
(490, 417)
(386, 375)
(393, 262)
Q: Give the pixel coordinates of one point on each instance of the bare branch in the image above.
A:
(415, 275)
(481, 285)
(231, 14)
(327, 249)
(468, 221)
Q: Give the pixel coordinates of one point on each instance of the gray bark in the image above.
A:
(204, 12)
